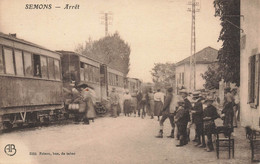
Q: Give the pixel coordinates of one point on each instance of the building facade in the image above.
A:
(250, 63)
(204, 57)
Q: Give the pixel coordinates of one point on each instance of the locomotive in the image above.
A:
(33, 78)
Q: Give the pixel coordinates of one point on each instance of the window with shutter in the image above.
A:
(253, 80)
(256, 93)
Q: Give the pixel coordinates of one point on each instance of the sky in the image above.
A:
(158, 31)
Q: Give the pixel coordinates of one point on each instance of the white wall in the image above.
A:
(200, 69)
(250, 25)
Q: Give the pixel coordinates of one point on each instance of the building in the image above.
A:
(204, 57)
(250, 63)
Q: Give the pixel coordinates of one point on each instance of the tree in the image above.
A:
(212, 77)
(229, 54)
(110, 50)
(163, 75)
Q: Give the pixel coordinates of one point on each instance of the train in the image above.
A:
(33, 78)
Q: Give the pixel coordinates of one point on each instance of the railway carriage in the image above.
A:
(134, 85)
(100, 77)
(33, 81)
(30, 82)
(116, 79)
(81, 69)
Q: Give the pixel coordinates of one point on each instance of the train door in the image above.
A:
(103, 81)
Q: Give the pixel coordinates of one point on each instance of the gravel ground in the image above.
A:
(122, 140)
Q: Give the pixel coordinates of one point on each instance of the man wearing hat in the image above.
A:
(166, 114)
(197, 118)
(187, 106)
(114, 101)
(209, 116)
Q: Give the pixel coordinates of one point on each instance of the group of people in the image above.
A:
(137, 103)
(183, 111)
(197, 110)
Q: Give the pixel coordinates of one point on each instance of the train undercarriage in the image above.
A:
(40, 115)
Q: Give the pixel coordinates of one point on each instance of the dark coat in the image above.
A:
(197, 117)
(209, 124)
(210, 111)
(139, 97)
(187, 104)
(229, 113)
(182, 116)
(167, 102)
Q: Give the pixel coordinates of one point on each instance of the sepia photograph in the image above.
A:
(129, 81)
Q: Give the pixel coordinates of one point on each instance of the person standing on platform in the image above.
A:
(90, 97)
(158, 103)
(228, 112)
(150, 98)
(235, 107)
(209, 116)
(187, 106)
(127, 103)
(166, 113)
(139, 101)
(143, 105)
(134, 102)
(182, 118)
(197, 117)
(114, 101)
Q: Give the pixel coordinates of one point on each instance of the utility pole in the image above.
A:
(193, 11)
(106, 19)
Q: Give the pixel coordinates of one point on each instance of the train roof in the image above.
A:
(13, 37)
(75, 53)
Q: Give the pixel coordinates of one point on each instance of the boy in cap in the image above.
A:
(182, 118)
(209, 116)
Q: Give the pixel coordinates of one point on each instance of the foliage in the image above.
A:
(212, 77)
(163, 75)
(110, 50)
(229, 54)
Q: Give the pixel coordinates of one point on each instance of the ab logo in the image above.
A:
(10, 149)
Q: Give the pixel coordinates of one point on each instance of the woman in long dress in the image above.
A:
(158, 103)
(127, 103)
(89, 98)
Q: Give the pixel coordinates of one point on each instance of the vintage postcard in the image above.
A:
(96, 81)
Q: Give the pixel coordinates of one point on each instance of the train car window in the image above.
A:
(97, 74)
(114, 79)
(27, 64)
(57, 69)
(1, 61)
(110, 78)
(51, 68)
(90, 75)
(44, 68)
(117, 83)
(121, 81)
(19, 62)
(9, 61)
(86, 72)
(36, 65)
(82, 71)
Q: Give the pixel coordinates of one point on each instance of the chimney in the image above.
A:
(12, 35)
